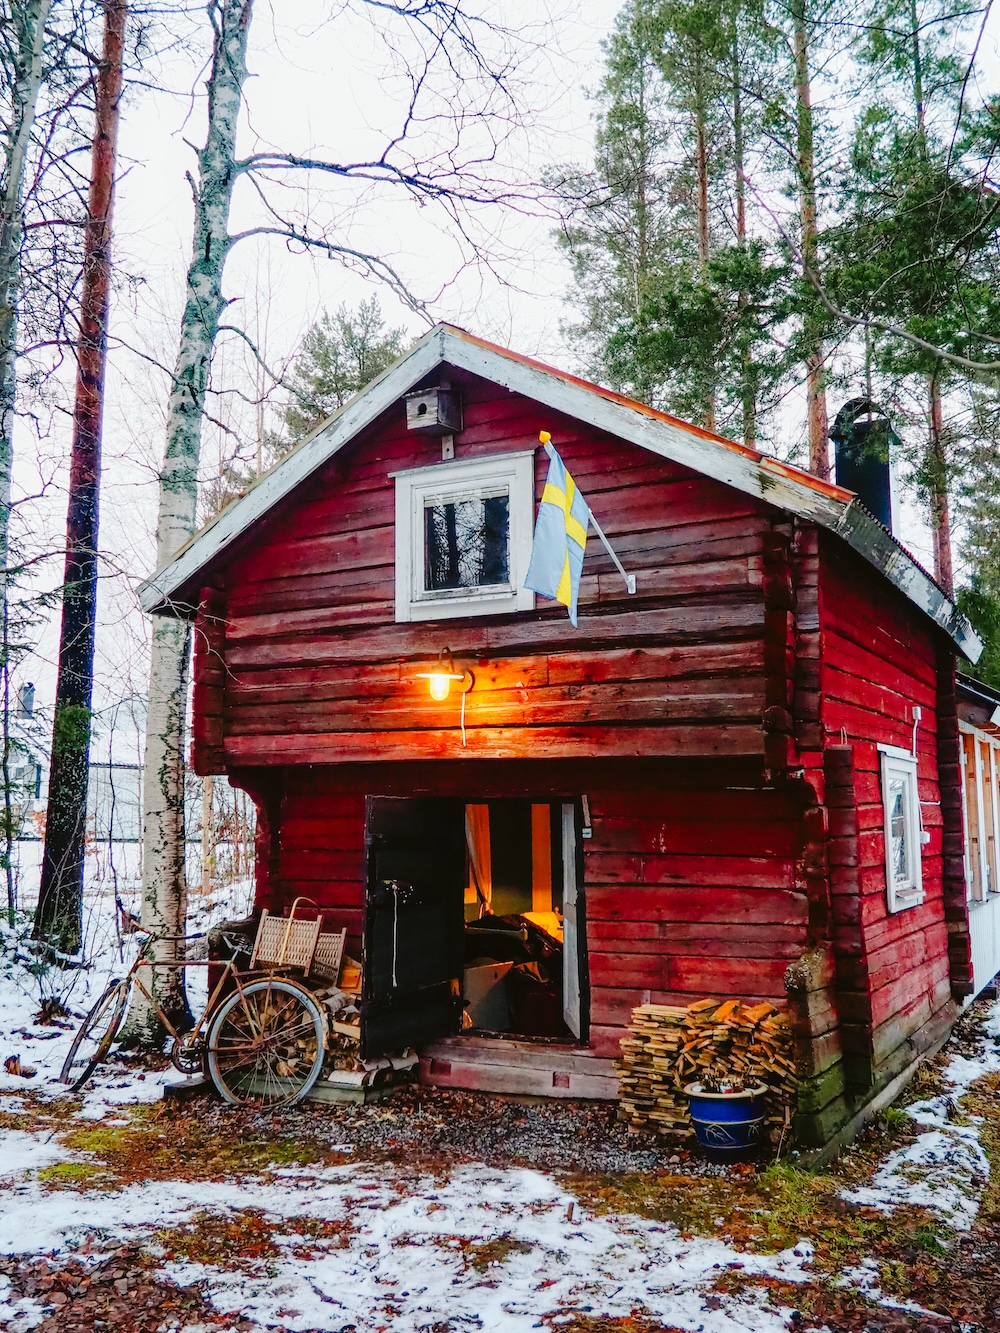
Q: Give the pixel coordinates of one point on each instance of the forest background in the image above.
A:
(746, 213)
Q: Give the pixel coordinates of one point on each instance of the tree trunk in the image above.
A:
(30, 17)
(163, 877)
(938, 485)
(207, 834)
(27, 39)
(704, 238)
(58, 920)
(748, 392)
(937, 453)
(816, 417)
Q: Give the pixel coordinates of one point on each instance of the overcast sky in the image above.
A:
(324, 84)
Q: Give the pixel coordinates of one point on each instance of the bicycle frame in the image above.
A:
(229, 971)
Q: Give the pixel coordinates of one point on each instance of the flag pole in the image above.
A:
(629, 578)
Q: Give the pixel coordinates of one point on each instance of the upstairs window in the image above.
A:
(903, 833)
(463, 538)
(467, 542)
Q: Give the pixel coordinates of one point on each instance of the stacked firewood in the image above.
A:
(669, 1046)
(345, 1068)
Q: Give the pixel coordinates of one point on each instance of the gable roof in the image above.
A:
(172, 588)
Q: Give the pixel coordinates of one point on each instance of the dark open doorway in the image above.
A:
(472, 921)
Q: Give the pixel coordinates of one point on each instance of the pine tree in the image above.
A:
(621, 222)
(58, 919)
(916, 248)
(695, 331)
(339, 356)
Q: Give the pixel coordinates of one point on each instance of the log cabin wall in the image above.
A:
(691, 876)
(880, 659)
(317, 670)
(723, 722)
(693, 888)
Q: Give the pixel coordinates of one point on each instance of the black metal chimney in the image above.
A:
(862, 455)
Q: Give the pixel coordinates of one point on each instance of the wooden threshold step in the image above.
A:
(518, 1068)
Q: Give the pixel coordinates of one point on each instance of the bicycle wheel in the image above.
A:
(266, 1044)
(95, 1035)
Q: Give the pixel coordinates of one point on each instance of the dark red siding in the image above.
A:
(692, 890)
(691, 877)
(317, 670)
(879, 661)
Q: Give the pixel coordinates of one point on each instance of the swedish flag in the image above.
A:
(560, 536)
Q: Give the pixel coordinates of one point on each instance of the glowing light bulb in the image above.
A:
(440, 685)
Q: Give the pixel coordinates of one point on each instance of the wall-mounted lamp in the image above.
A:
(442, 674)
(441, 677)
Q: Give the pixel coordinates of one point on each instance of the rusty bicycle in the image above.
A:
(261, 1035)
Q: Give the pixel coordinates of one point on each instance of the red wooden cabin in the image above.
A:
(688, 795)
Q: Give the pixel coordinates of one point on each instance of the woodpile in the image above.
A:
(346, 1071)
(668, 1046)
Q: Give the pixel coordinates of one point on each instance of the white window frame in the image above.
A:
(461, 478)
(896, 762)
(980, 888)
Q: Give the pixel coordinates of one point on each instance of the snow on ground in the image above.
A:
(484, 1248)
(945, 1168)
(18, 1316)
(403, 1258)
(24, 985)
(23, 1151)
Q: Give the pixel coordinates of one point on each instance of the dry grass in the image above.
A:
(251, 1238)
(158, 1143)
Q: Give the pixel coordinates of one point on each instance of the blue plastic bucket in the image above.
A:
(728, 1125)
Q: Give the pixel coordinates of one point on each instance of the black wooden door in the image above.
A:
(414, 922)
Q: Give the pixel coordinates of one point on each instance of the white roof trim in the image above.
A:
(762, 478)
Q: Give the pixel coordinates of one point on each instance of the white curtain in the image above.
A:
(477, 838)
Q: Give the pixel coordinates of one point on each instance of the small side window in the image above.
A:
(902, 828)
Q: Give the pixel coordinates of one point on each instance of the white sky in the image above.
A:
(325, 85)
(320, 84)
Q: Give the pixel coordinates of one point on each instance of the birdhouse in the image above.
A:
(435, 411)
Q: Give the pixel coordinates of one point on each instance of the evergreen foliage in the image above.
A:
(340, 354)
(793, 200)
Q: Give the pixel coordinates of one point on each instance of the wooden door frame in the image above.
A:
(556, 801)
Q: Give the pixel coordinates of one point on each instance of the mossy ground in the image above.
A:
(158, 1143)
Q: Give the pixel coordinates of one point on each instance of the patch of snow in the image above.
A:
(18, 1316)
(406, 1264)
(22, 1151)
(945, 1169)
(402, 1259)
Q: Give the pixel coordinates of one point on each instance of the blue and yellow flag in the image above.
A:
(560, 536)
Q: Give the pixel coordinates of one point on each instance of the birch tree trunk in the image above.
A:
(58, 919)
(816, 414)
(30, 17)
(163, 876)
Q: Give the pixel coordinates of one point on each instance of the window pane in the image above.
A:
(466, 543)
(899, 833)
